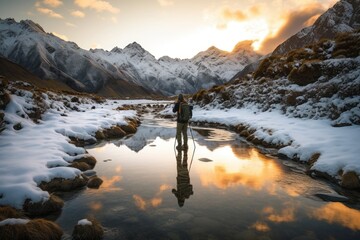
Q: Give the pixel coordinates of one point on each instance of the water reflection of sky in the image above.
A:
(238, 193)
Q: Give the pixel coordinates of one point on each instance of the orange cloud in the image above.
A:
(255, 10)
(109, 183)
(253, 171)
(53, 3)
(155, 202)
(97, 5)
(139, 202)
(96, 206)
(261, 227)
(294, 22)
(49, 12)
(78, 14)
(286, 215)
(236, 15)
(339, 213)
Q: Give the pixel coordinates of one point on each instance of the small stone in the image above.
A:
(350, 180)
(94, 182)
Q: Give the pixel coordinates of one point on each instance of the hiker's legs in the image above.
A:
(184, 132)
(178, 133)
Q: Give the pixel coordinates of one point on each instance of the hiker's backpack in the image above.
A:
(185, 112)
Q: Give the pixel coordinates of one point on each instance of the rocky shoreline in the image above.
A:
(348, 180)
(54, 204)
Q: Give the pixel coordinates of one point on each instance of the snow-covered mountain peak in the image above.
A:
(134, 47)
(31, 26)
(116, 50)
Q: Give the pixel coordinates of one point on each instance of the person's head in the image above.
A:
(180, 98)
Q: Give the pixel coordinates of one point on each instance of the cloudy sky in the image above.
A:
(176, 28)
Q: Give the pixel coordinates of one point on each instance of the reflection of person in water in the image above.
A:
(184, 188)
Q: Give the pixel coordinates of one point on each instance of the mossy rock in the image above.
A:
(89, 160)
(94, 182)
(83, 166)
(36, 229)
(53, 204)
(9, 212)
(88, 232)
(114, 132)
(129, 129)
(350, 180)
(61, 184)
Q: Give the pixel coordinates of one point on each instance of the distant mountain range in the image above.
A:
(119, 72)
(134, 72)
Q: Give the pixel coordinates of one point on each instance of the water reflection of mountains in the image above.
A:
(147, 134)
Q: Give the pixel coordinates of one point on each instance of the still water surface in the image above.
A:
(220, 189)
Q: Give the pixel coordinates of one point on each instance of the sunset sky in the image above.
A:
(176, 28)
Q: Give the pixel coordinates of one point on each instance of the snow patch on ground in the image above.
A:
(338, 146)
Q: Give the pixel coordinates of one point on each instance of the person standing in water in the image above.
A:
(184, 114)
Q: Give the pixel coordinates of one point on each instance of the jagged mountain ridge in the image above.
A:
(344, 16)
(47, 56)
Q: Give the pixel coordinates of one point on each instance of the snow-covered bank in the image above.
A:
(31, 153)
(338, 146)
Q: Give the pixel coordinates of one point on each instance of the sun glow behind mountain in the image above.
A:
(169, 27)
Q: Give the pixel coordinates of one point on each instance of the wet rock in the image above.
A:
(331, 197)
(61, 184)
(100, 135)
(17, 126)
(129, 129)
(245, 133)
(82, 142)
(350, 180)
(89, 160)
(83, 166)
(90, 231)
(313, 158)
(205, 160)
(34, 229)
(4, 99)
(114, 132)
(94, 182)
(9, 212)
(53, 204)
(89, 173)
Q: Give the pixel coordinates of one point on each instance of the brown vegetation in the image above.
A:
(9, 212)
(61, 184)
(37, 229)
(88, 232)
(53, 204)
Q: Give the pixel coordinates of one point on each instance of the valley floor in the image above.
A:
(40, 152)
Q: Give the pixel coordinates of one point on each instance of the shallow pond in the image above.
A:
(220, 189)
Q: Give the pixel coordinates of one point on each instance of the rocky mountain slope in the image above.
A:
(344, 16)
(119, 71)
(321, 81)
